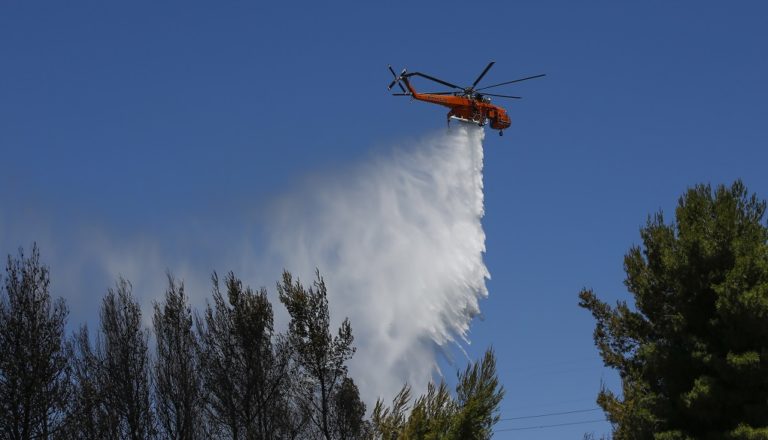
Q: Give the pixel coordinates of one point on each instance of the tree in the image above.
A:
(471, 414)
(389, 423)
(87, 417)
(321, 360)
(123, 366)
(34, 382)
(692, 352)
(245, 375)
(478, 396)
(348, 411)
(111, 378)
(178, 394)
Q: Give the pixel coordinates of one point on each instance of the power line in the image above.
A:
(576, 411)
(551, 426)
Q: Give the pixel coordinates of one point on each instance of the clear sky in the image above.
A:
(173, 123)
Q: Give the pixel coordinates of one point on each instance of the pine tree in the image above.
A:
(245, 368)
(320, 358)
(478, 396)
(692, 351)
(178, 393)
(470, 415)
(87, 416)
(123, 364)
(34, 382)
(348, 412)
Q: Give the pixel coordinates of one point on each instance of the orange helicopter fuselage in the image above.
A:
(478, 111)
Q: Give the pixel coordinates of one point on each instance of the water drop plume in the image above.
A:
(400, 244)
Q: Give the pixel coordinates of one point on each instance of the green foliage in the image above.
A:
(471, 414)
(323, 387)
(432, 415)
(348, 412)
(478, 398)
(744, 432)
(244, 365)
(692, 352)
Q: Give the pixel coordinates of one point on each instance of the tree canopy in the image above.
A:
(225, 373)
(468, 415)
(34, 375)
(692, 348)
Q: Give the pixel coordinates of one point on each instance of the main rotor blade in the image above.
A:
(502, 96)
(482, 74)
(401, 94)
(513, 81)
(395, 81)
(432, 78)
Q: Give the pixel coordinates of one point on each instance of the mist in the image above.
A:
(400, 244)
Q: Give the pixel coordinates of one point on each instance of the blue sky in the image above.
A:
(125, 121)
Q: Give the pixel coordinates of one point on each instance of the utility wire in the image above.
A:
(576, 411)
(551, 426)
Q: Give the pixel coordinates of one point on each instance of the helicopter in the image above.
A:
(468, 104)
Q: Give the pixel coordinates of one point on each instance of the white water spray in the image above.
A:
(400, 245)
